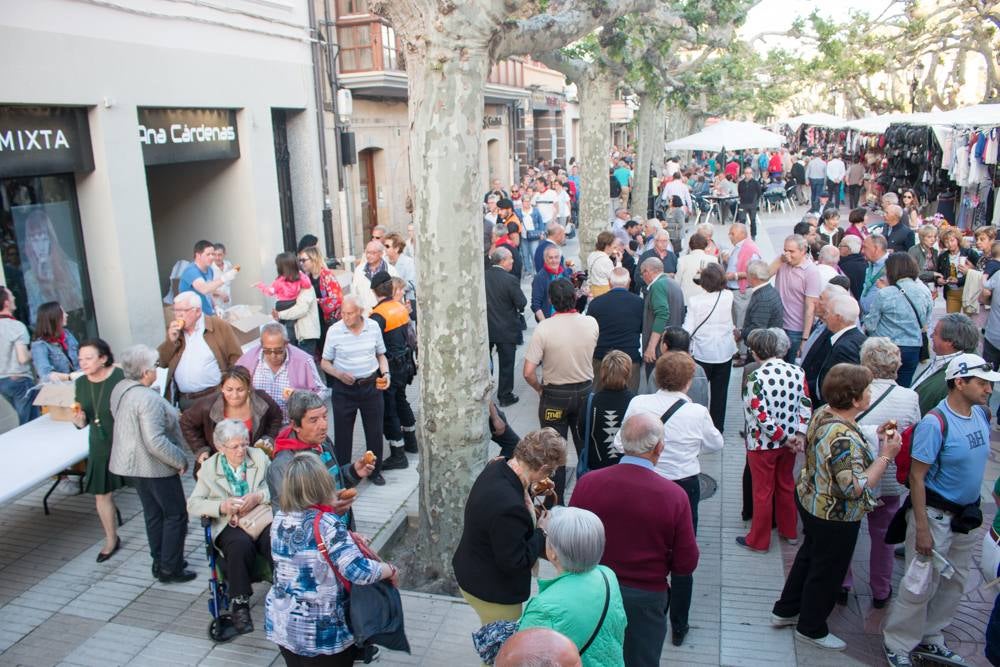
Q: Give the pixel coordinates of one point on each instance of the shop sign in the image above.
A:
(550, 101)
(36, 141)
(169, 136)
(492, 121)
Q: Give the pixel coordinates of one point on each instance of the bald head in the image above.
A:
(538, 647)
(641, 434)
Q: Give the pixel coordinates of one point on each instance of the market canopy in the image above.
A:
(818, 119)
(732, 135)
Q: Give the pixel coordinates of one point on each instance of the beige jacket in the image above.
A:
(213, 488)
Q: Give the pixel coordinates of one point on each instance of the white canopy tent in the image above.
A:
(731, 135)
(819, 119)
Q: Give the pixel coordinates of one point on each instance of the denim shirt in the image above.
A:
(305, 610)
(50, 357)
(890, 314)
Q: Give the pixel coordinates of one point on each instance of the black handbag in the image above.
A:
(374, 611)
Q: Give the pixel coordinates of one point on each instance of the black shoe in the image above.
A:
(880, 603)
(677, 636)
(101, 556)
(410, 441)
(842, 596)
(176, 577)
(508, 400)
(156, 568)
(397, 460)
(366, 654)
(377, 479)
(241, 619)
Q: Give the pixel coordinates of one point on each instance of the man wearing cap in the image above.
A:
(949, 453)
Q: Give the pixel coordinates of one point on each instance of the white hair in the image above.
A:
(706, 229)
(577, 537)
(138, 359)
(759, 270)
(229, 429)
(641, 433)
(619, 277)
(853, 243)
(832, 290)
(188, 298)
(844, 307)
(829, 254)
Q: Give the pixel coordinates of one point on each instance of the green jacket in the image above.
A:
(571, 604)
(932, 390)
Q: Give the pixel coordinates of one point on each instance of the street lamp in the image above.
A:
(914, 83)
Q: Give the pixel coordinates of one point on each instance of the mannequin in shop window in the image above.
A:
(49, 274)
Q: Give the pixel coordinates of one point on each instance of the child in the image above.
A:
(992, 264)
(286, 287)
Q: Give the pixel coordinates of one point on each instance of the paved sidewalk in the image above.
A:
(59, 607)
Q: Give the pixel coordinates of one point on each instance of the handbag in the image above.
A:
(374, 611)
(925, 348)
(257, 520)
(489, 639)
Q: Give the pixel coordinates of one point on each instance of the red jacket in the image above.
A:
(774, 164)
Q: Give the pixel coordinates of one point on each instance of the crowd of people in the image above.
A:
(843, 359)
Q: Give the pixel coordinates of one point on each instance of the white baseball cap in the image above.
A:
(970, 365)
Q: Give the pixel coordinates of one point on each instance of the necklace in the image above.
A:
(97, 402)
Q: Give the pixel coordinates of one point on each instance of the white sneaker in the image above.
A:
(831, 642)
(783, 621)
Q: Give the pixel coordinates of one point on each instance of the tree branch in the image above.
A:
(539, 33)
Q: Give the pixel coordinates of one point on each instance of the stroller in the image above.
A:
(221, 628)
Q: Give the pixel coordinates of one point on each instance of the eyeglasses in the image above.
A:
(238, 445)
(273, 351)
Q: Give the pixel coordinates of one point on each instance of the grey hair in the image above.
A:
(895, 210)
(759, 270)
(138, 359)
(493, 198)
(844, 307)
(879, 240)
(620, 210)
(554, 227)
(619, 277)
(706, 229)
(811, 215)
(499, 254)
(229, 429)
(379, 228)
(739, 226)
(853, 243)
(500, 229)
(301, 402)
(960, 331)
(577, 537)
(881, 356)
(891, 197)
(829, 254)
(662, 234)
(272, 328)
(798, 239)
(654, 264)
(769, 343)
(927, 230)
(833, 290)
(641, 433)
(550, 248)
(188, 298)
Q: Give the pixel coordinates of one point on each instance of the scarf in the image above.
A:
(368, 269)
(287, 440)
(237, 478)
(558, 271)
(60, 339)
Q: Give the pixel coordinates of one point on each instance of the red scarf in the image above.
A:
(558, 271)
(61, 339)
(287, 440)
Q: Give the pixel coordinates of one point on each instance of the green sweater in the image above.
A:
(932, 390)
(661, 306)
(571, 604)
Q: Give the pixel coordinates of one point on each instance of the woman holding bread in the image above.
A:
(231, 486)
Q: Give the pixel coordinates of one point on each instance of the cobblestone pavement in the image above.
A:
(59, 607)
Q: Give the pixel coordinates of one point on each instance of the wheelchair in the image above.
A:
(221, 628)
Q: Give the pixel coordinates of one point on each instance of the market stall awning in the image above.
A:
(732, 135)
(819, 119)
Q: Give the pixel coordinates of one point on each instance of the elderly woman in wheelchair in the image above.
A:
(232, 493)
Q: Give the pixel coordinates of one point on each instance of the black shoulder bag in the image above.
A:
(925, 351)
(604, 614)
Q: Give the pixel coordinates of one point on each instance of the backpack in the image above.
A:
(905, 456)
(616, 187)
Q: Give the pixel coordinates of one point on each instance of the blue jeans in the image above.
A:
(910, 355)
(817, 186)
(528, 248)
(17, 392)
(795, 340)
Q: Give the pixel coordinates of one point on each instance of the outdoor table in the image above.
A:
(38, 450)
(716, 202)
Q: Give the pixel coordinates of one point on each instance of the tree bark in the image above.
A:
(657, 152)
(648, 108)
(595, 91)
(446, 120)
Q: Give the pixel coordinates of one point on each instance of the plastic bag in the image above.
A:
(918, 576)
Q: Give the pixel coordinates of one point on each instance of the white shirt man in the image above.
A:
(198, 368)
(545, 201)
(835, 170)
(678, 187)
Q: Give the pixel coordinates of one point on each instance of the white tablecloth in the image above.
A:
(39, 449)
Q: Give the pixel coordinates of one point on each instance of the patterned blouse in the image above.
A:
(305, 608)
(836, 457)
(776, 404)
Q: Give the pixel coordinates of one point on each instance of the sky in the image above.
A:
(777, 15)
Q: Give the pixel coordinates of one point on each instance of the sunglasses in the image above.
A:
(965, 369)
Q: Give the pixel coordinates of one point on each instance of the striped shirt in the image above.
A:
(354, 353)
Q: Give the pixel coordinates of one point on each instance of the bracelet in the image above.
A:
(885, 458)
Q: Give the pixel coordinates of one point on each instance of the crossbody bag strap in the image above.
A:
(914, 308)
(714, 306)
(872, 405)
(321, 547)
(678, 404)
(604, 614)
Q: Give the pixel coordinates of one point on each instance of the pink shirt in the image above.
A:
(794, 284)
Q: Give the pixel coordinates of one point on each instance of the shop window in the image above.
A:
(355, 48)
(42, 245)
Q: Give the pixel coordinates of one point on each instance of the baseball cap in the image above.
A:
(970, 365)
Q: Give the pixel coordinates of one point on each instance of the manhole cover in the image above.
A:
(708, 486)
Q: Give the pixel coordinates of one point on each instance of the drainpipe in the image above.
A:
(344, 192)
(314, 48)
